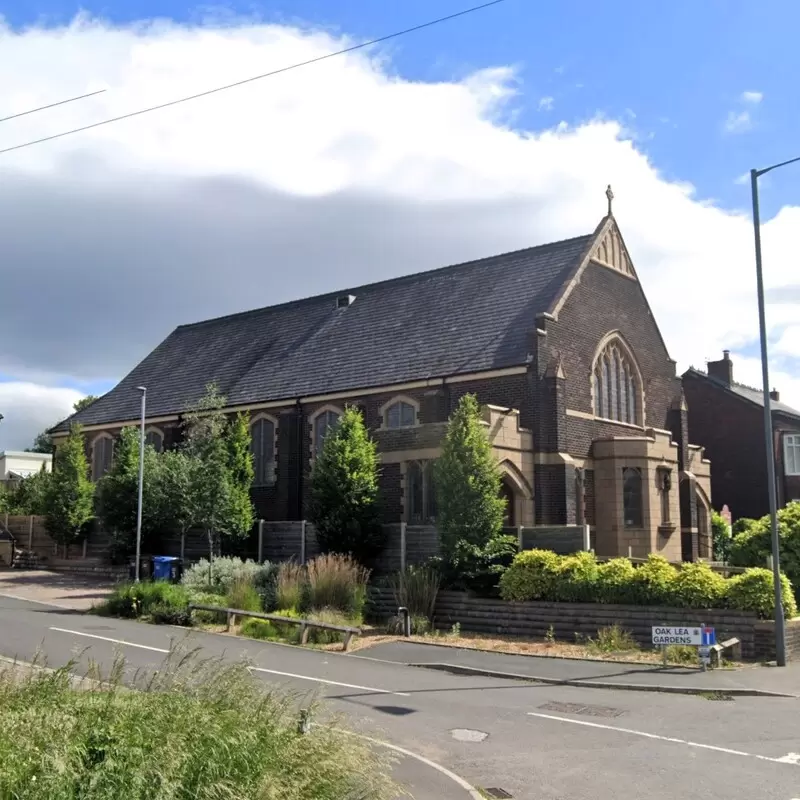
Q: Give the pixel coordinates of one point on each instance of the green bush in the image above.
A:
(207, 599)
(654, 582)
(720, 537)
(698, 586)
(614, 582)
(259, 629)
(576, 580)
(613, 639)
(224, 571)
(332, 617)
(165, 614)
(753, 543)
(243, 595)
(195, 729)
(131, 600)
(533, 575)
(754, 591)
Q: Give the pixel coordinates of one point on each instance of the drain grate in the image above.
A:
(580, 708)
(500, 794)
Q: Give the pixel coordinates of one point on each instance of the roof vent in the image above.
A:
(345, 300)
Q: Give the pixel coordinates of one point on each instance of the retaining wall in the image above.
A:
(568, 620)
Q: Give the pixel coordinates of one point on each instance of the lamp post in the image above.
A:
(143, 390)
(769, 439)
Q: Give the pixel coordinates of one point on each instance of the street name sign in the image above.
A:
(687, 635)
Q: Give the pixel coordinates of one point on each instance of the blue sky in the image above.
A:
(675, 72)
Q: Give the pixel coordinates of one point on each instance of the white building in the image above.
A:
(15, 465)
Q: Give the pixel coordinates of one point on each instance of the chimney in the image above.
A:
(722, 370)
(775, 395)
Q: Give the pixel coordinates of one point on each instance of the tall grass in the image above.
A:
(196, 729)
(337, 582)
(416, 588)
(243, 595)
(290, 586)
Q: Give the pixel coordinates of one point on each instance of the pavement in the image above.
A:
(57, 588)
(739, 681)
(534, 741)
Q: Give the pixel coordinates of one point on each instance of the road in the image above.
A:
(533, 741)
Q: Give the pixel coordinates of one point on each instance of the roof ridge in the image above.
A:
(399, 279)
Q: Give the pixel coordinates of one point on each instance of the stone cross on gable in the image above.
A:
(610, 196)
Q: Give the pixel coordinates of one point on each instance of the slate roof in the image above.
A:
(748, 393)
(463, 318)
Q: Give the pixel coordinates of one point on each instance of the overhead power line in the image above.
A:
(51, 105)
(270, 74)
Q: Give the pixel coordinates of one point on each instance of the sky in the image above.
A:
(495, 131)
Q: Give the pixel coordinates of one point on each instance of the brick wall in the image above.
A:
(534, 620)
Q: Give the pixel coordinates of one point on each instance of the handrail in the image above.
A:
(305, 624)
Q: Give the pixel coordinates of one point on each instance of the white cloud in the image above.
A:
(320, 178)
(753, 98)
(738, 122)
(546, 103)
(28, 408)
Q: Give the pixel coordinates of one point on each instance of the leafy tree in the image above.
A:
(84, 402)
(344, 490)
(69, 495)
(117, 499)
(720, 536)
(175, 491)
(218, 501)
(467, 478)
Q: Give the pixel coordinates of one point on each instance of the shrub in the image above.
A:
(196, 729)
(207, 599)
(577, 578)
(654, 581)
(130, 600)
(337, 582)
(477, 568)
(720, 536)
(416, 588)
(165, 614)
(698, 586)
(224, 571)
(754, 591)
(259, 629)
(242, 595)
(332, 617)
(613, 639)
(614, 582)
(681, 654)
(532, 576)
(290, 586)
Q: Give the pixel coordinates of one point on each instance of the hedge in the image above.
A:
(543, 575)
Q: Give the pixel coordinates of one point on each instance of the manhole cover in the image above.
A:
(501, 794)
(467, 735)
(580, 708)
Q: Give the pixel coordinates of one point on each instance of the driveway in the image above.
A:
(55, 588)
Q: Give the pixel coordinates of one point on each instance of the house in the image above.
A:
(727, 418)
(15, 465)
(583, 406)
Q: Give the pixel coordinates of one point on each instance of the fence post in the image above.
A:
(6, 522)
(85, 545)
(519, 538)
(587, 538)
(403, 553)
(303, 542)
(630, 551)
(183, 547)
(30, 533)
(261, 541)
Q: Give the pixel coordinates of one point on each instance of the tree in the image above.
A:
(720, 536)
(68, 501)
(467, 480)
(219, 504)
(117, 499)
(344, 490)
(175, 495)
(84, 402)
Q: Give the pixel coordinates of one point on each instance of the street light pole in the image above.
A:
(143, 390)
(769, 436)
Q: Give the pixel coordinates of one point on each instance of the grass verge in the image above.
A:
(196, 728)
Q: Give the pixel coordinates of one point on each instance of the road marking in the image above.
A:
(331, 683)
(672, 739)
(466, 786)
(108, 639)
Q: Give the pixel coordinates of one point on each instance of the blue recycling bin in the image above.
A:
(164, 568)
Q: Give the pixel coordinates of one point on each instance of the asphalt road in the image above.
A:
(534, 741)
